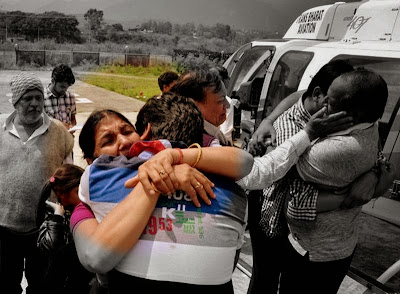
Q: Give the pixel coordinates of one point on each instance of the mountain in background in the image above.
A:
(268, 15)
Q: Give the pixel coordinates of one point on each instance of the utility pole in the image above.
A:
(38, 34)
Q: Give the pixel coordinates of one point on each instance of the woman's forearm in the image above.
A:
(101, 246)
(231, 162)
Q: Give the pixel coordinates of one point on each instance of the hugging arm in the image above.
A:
(231, 162)
(369, 185)
(266, 129)
(101, 246)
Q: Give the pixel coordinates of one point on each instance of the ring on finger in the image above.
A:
(198, 185)
(155, 189)
(162, 172)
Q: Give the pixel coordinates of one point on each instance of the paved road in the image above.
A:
(89, 98)
(100, 98)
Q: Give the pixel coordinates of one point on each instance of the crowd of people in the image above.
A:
(164, 202)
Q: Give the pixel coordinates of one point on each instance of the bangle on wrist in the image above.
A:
(180, 155)
(197, 145)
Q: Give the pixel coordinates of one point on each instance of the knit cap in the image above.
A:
(23, 82)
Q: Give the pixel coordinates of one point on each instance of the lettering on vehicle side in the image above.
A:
(308, 21)
(357, 23)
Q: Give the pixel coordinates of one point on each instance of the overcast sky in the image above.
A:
(266, 14)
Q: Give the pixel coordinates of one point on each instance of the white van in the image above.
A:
(366, 33)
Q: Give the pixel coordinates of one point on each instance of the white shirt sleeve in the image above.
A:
(274, 165)
(83, 191)
(227, 126)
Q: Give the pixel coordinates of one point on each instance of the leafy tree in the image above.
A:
(94, 19)
(188, 29)
(58, 26)
(222, 31)
(118, 27)
(164, 27)
(48, 25)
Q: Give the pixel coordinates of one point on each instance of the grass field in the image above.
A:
(136, 82)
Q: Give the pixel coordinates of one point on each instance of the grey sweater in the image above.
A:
(24, 168)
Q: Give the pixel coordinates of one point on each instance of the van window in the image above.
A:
(285, 78)
(231, 62)
(248, 59)
(389, 126)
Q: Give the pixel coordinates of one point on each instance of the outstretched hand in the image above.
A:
(321, 125)
(264, 136)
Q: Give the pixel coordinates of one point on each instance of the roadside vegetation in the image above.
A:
(189, 45)
(136, 82)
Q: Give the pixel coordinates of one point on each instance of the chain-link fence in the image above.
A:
(75, 58)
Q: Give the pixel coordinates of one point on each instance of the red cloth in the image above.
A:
(151, 146)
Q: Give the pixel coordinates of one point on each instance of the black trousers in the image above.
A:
(120, 283)
(269, 254)
(15, 249)
(301, 275)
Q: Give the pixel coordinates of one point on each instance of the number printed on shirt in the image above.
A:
(157, 223)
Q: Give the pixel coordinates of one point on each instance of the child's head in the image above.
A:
(166, 80)
(64, 183)
(172, 118)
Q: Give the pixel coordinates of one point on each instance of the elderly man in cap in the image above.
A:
(32, 146)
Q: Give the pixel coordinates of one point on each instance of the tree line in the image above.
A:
(93, 29)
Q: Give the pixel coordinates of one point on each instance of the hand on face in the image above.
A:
(320, 125)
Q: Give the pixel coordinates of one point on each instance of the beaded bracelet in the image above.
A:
(180, 155)
(197, 145)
